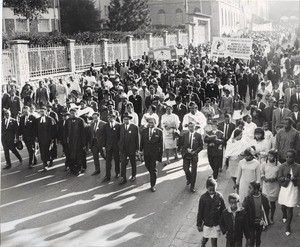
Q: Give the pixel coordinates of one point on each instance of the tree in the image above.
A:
(30, 9)
(78, 16)
(130, 16)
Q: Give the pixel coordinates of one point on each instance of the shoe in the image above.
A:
(176, 158)
(271, 221)
(30, 166)
(192, 190)
(50, 164)
(77, 173)
(67, 168)
(287, 233)
(284, 220)
(132, 179)
(123, 181)
(21, 161)
(6, 167)
(95, 173)
(44, 169)
(153, 189)
(117, 176)
(83, 170)
(105, 179)
(188, 182)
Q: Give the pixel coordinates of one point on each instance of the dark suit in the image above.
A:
(296, 119)
(253, 84)
(153, 151)
(14, 106)
(294, 100)
(137, 103)
(128, 145)
(189, 159)
(180, 112)
(267, 115)
(27, 130)
(230, 129)
(215, 143)
(148, 101)
(96, 141)
(278, 118)
(61, 137)
(41, 96)
(5, 101)
(111, 138)
(9, 134)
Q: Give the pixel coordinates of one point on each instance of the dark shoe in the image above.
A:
(95, 173)
(117, 176)
(50, 164)
(176, 158)
(188, 182)
(132, 179)
(21, 161)
(153, 189)
(6, 167)
(192, 190)
(105, 179)
(123, 181)
(67, 168)
(44, 169)
(30, 166)
(77, 173)
(83, 170)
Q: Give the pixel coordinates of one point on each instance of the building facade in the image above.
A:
(102, 6)
(46, 23)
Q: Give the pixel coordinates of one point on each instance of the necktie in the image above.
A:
(226, 129)
(95, 128)
(281, 113)
(6, 123)
(64, 122)
(191, 138)
(150, 136)
(111, 125)
(26, 119)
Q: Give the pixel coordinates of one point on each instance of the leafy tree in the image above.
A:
(30, 9)
(78, 16)
(130, 16)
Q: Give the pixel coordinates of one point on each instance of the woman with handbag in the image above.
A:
(289, 180)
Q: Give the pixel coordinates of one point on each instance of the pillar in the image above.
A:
(165, 37)
(178, 36)
(21, 60)
(149, 39)
(71, 55)
(104, 50)
(129, 39)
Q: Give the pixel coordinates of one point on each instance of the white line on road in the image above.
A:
(11, 203)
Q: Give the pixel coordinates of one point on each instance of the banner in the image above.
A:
(267, 27)
(231, 47)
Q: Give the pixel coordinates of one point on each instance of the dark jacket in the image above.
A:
(96, 137)
(230, 129)
(185, 144)
(9, 134)
(284, 171)
(137, 103)
(249, 206)
(235, 227)
(180, 112)
(210, 209)
(111, 136)
(153, 147)
(215, 143)
(28, 131)
(129, 139)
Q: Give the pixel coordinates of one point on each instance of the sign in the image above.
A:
(231, 47)
(267, 27)
(165, 53)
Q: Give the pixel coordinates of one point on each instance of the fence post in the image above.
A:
(149, 40)
(104, 50)
(21, 60)
(71, 55)
(178, 36)
(165, 38)
(129, 45)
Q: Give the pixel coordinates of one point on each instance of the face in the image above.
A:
(211, 189)
(248, 157)
(72, 114)
(249, 119)
(42, 112)
(258, 136)
(7, 114)
(289, 157)
(25, 111)
(95, 118)
(287, 124)
(239, 137)
(233, 204)
(214, 127)
(193, 109)
(126, 120)
(227, 119)
(151, 123)
(281, 104)
(169, 110)
(252, 191)
(111, 119)
(271, 157)
(191, 127)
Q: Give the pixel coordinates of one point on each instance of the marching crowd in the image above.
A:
(142, 109)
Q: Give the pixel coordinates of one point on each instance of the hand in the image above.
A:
(20, 138)
(200, 228)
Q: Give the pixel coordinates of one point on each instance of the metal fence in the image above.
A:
(47, 60)
(184, 39)
(87, 54)
(139, 47)
(172, 39)
(157, 42)
(8, 65)
(117, 51)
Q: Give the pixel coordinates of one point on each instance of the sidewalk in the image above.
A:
(274, 236)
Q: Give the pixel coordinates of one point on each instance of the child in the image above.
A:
(238, 107)
(257, 208)
(268, 133)
(215, 105)
(211, 206)
(234, 222)
(269, 174)
(226, 103)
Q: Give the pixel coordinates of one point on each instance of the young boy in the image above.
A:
(234, 222)
(211, 206)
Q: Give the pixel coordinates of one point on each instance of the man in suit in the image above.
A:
(267, 113)
(253, 83)
(279, 115)
(295, 98)
(149, 99)
(227, 127)
(180, 110)
(144, 93)
(9, 134)
(215, 142)
(136, 100)
(41, 96)
(128, 145)
(257, 103)
(295, 115)
(27, 128)
(152, 147)
(14, 103)
(96, 140)
(44, 135)
(191, 145)
(61, 137)
(288, 92)
(111, 136)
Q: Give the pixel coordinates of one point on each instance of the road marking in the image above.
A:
(11, 203)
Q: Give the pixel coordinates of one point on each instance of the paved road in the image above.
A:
(58, 209)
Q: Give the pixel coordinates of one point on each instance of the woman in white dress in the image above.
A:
(262, 146)
(248, 170)
(289, 180)
(249, 128)
(61, 92)
(170, 123)
(150, 114)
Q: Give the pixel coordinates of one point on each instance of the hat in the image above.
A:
(126, 115)
(105, 76)
(19, 145)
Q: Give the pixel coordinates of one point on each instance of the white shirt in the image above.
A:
(43, 119)
(199, 119)
(191, 137)
(135, 119)
(7, 120)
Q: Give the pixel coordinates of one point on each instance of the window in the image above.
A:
(179, 16)
(162, 17)
(197, 10)
(44, 25)
(225, 18)
(222, 17)
(22, 25)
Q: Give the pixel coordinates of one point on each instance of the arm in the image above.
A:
(239, 173)
(142, 142)
(223, 223)
(200, 212)
(200, 145)
(273, 122)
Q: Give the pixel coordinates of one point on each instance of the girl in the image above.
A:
(215, 105)
(262, 146)
(238, 107)
(269, 174)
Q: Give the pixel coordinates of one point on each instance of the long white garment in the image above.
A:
(198, 118)
(288, 196)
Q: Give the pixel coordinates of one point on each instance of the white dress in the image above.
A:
(248, 132)
(288, 196)
(270, 189)
(262, 147)
(61, 93)
(172, 121)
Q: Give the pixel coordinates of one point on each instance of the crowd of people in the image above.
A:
(245, 113)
